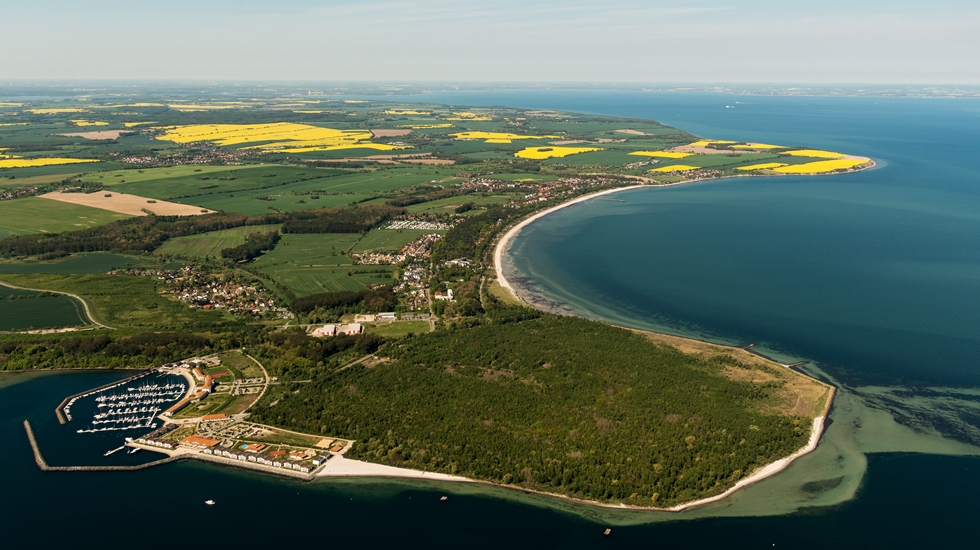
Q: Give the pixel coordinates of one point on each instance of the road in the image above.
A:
(88, 312)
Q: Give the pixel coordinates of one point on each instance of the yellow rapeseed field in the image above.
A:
(131, 124)
(763, 166)
(540, 153)
(427, 126)
(307, 112)
(497, 137)
(675, 168)
(707, 142)
(661, 154)
(88, 123)
(406, 112)
(13, 161)
(285, 136)
(821, 166)
(469, 116)
(55, 111)
(9, 104)
(757, 146)
(14, 124)
(815, 153)
(190, 108)
(128, 105)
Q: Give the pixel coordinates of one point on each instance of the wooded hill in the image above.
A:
(556, 404)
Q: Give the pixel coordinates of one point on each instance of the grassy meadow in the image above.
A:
(387, 240)
(27, 309)
(37, 215)
(209, 245)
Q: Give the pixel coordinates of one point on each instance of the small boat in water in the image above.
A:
(133, 451)
(209, 502)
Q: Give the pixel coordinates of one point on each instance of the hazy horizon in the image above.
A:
(759, 42)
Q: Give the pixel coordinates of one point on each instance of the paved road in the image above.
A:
(88, 312)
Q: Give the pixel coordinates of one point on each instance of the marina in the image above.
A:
(125, 405)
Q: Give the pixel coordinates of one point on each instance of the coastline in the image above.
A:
(759, 474)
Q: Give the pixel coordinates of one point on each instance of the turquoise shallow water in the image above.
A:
(871, 276)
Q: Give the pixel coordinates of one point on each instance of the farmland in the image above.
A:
(37, 215)
(28, 309)
(209, 245)
(389, 239)
(308, 264)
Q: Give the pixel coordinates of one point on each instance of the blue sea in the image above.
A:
(873, 278)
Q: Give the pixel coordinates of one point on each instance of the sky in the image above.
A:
(707, 41)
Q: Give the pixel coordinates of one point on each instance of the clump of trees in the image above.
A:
(331, 305)
(255, 245)
(338, 220)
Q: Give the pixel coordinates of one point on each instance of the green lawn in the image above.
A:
(37, 215)
(390, 239)
(227, 180)
(209, 245)
(398, 329)
(311, 250)
(312, 280)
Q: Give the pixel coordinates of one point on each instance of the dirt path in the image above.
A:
(88, 312)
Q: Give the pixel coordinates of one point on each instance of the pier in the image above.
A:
(64, 418)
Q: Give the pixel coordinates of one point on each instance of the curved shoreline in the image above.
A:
(759, 474)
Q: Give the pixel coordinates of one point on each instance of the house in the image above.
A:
(448, 296)
(325, 330)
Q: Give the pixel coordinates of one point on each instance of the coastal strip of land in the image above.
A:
(756, 476)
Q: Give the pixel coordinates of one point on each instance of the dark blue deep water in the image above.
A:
(874, 277)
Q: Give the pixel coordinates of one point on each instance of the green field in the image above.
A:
(390, 239)
(339, 190)
(398, 329)
(185, 184)
(124, 301)
(209, 245)
(93, 262)
(447, 205)
(27, 309)
(37, 215)
(308, 264)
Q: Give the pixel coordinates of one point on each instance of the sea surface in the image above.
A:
(874, 278)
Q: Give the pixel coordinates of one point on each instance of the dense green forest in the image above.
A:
(338, 220)
(555, 404)
(107, 351)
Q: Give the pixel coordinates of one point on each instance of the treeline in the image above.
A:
(133, 236)
(108, 351)
(338, 220)
(255, 245)
(556, 404)
(469, 238)
(330, 305)
(420, 198)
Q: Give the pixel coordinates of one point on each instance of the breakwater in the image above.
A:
(43, 465)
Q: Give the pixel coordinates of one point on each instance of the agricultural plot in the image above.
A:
(210, 245)
(386, 240)
(125, 301)
(397, 329)
(226, 180)
(37, 215)
(308, 264)
(27, 310)
(339, 190)
(447, 205)
(93, 262)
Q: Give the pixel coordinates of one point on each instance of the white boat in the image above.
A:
(209, 502)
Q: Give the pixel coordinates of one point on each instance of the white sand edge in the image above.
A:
(338, 466)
